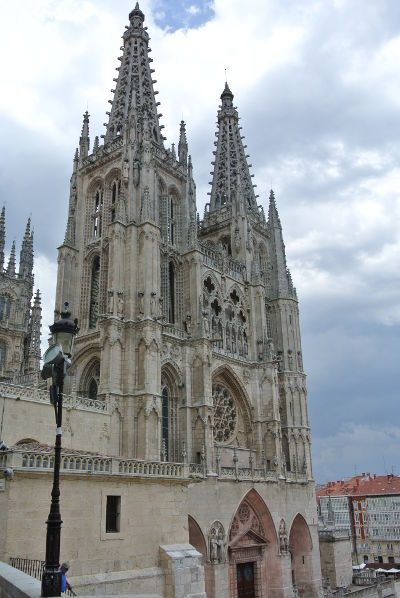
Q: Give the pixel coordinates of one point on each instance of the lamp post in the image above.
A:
(56, 360)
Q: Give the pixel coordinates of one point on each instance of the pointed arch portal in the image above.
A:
(253, 550)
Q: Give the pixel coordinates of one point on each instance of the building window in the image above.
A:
(165, 420)
(3, 354)
(113, 512)
(94, 293)
(98, 205)
(391, 559)
(5, 305)
(365, 558)
(171, 222)
(380, 559)
(171, 288)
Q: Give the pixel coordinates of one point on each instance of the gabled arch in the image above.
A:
(229, 377)
(253, 543)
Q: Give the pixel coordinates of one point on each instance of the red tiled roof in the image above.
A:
(362, 485)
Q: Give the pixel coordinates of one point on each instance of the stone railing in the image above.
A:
(91, 464)
(10, 390)
(174, 331)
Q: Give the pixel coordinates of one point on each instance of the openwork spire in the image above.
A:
(231, 170)
(2, 237)
(32, 357)
(26, 255)
(134, 95)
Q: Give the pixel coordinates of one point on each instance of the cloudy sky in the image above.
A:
(317, 84)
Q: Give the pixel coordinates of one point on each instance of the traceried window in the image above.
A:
(171, 292)
(97, 215)
(225, 414)
(94, 293)
(169, 416)
(3, 354)
(171, 221)
(89, 383)
(5, 305)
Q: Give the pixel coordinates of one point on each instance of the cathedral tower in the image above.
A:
(190, 327)
(20, 321)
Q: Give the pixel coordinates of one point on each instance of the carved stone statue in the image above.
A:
(217, 543)
(283, 540)
(188, 324)
(213, 546)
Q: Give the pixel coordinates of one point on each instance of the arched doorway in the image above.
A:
(300, 548)
(253, 550)
(196, 539)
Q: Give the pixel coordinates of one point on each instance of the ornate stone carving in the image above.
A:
(225, 414)
(283, 539)
(217, 542)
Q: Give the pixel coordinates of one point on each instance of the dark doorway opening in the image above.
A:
(245, 580)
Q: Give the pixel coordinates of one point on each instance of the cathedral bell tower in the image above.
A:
(131, 215)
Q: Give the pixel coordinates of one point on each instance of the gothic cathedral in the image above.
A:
(190, 326)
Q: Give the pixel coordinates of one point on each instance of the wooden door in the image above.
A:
(245, 580)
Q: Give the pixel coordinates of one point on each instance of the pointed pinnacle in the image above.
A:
(11, 261)
(227, 92)
(273, 217)
(85, 125)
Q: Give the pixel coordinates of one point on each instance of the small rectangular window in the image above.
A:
(113, 514)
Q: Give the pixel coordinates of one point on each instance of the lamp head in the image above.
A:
(64, 331)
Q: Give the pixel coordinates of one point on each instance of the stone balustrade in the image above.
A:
(43, 459)
(22, 392)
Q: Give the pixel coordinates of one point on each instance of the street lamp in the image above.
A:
(56, 360)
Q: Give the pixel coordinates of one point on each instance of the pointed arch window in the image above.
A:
(169, 416)
(171, 292)
(171, 220)
(114, 197)
(3, 354)
(97, 214)
(94, 293)
(5, 306)
(89, 384)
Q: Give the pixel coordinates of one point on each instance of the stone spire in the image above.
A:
(84, 141)
(2, 237)
(230, 165)
(281, 280)
(134, 95)
(26, 254)
(69, 237)
(182, 145)
(11, 261)
(33, 358)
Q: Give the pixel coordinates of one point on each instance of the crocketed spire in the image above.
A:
(134, 95)
(2, 237)
(84, 141)
(26, 254)
(11, 261)
(231, 173)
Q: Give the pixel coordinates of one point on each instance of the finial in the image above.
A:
(227, 92)
(136, 16)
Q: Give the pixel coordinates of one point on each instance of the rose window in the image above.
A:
(225, 415)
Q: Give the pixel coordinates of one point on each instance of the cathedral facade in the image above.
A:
(190, 351)
(20, 320)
